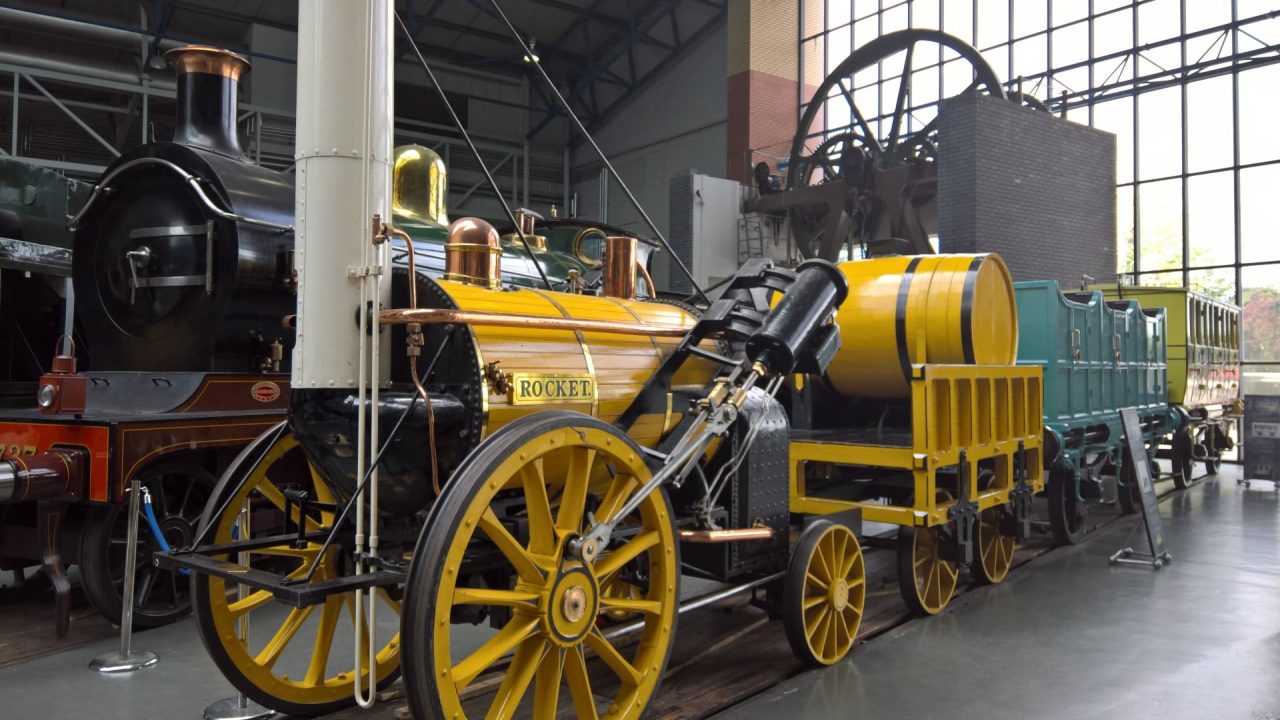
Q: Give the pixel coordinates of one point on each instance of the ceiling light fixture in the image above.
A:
(532, 55)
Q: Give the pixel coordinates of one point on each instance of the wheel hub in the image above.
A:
(177, 531)
(839, 594)
(573, 603)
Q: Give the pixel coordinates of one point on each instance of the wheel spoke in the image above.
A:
(900, 105)
(292, 623)
(546, 689)
(574, 499)
(811, 624)
(541, 531)
(510, 547)
(494, 649)
(486, 596)
(575, 673)
(615, 560)
(524, 665)
(308, 553)
(619, 491)
(329, 615)
(186, 497)
(145, 583)
(649, 607)
(250, 603)
(816, 581)
(609, 654)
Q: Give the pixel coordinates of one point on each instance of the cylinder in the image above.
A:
(207, 81)
(473, 253)
(819, 287)
(619, 279)
(903, 311)
(55, 474)
(343, 178)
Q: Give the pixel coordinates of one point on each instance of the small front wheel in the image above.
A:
(824, 592)
(926, 578)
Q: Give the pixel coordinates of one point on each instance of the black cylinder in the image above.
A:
(818, 289)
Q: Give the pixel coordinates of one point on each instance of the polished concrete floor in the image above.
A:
(1068, 636)
(1072, 636)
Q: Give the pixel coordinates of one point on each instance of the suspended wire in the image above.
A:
(515, 34)
(493, 184)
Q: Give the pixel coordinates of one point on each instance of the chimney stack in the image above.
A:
(208, 78)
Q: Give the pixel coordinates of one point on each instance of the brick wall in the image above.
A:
(1036, 189)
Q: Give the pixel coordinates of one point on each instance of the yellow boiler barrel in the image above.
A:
(902, 311)
(596, 373)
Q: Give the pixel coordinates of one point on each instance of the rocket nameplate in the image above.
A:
(544, 389)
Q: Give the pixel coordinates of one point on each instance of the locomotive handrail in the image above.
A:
(103, 186)
(436, 316)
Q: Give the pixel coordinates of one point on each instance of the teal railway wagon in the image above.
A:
(1098, 356)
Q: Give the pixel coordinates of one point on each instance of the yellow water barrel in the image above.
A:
(902, 311)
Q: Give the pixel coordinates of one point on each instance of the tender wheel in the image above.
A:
(178, 494)
(825, 589)
(1212, 465)
(1128, 494)
(995, 550)
(290, 661)
(541, 473)
(926, 579)
(1068, 514)
(1183, 461)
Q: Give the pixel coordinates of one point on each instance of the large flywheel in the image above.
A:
(299, 661)
(500, 619)
(872, 182)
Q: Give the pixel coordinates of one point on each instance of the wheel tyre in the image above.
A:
(1129, 495)
(445, 539)
(264, 687)
(105, 526)
(927, 582)
(822, 621)
(1183, 463)
(1068, 515)
(993, 550)
(1213, 465)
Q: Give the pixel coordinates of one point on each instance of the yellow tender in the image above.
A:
(925, 382)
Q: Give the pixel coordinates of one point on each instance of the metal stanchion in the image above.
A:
(126, 660)
(239, 707)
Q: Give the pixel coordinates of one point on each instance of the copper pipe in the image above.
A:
(648, 281)
(434, 316)
(724, 536)
(619, 280)
(431, 423)
(389, 229)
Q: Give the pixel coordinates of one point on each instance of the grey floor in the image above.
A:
(1072, 636)
(1068, 636)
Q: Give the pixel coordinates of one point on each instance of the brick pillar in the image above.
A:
(763, 80)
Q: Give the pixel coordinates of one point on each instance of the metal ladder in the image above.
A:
(750, 237)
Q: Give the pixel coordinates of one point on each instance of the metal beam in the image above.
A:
(71, 114)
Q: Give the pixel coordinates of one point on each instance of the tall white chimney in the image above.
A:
(343, 178)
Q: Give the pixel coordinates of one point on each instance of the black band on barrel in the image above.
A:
(966, 309)
(900, 319)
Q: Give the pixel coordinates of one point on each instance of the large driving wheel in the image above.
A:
(1068, 512)
(825, 589)
(548, 473)
(926, 579)
(299, 661)
(178, 493)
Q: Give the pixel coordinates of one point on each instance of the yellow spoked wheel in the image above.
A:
(299, 661)
(497, 541)
(926, 579)
(621, 590)
(994, 550)
(825, 589)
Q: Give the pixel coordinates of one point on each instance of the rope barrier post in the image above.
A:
(239, 707)
(126, 660)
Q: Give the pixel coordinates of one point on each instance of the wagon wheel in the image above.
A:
(551, 604)
(1068, 513)
(927, 580)
(1183, 459)
(884, 140)
(290, 661)
(178, 493)
(995, 549)
(824, 592)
